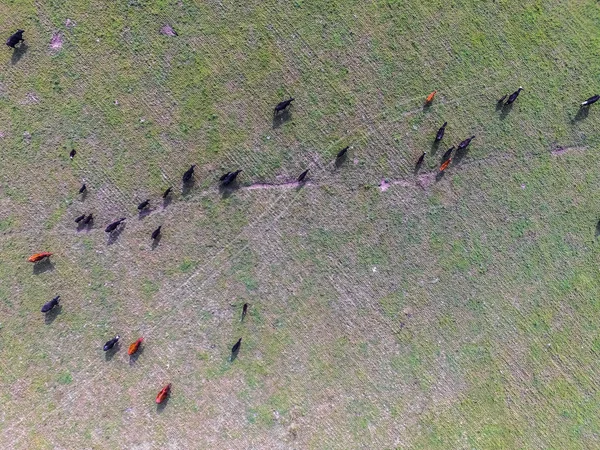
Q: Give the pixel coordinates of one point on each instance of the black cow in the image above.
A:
(80, 218)
(227, 179)
(591, 100)
(88, 219)
(113, 226)
(421, 159)
(143, 204)
(72, 154)
(302, 176)
(342, 152)
(244, 311)
(236, 347)
(51, 304)
(156, 232)
(82, 188)
(282, 105)
(187, 176)
(441, 131)
(464, 144)
(448, 153)
(167, 192)
(110, 344)
(14, 39)
(514, 95)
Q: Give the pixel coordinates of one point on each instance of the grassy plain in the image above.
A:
(449, 313)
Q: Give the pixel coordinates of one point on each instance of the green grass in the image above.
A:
(451, 313)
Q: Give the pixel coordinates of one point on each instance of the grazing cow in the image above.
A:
(39, 256)
(448, 153)
(113, 226)
(430, 97)
(514, 96)
(110, 344)
(445, 165)
(464, 144)
(302, 176)
(82, 188)
(228, 178)
(14, 39)
(156, 232)
(441, 131)
(72, 154)
(282, 105)
(135, 346)
(244, 311)
(187, 176)
(167, 192)
(163, 394)
(342, 152)
(501, 100)
(591, 100)
(143, 204)
(51, 304)
(80, 218)
(421, 159)
(88, 219)
(236, 347)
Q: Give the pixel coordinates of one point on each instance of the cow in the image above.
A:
(227, 179)
(113, 226)
(80, 218)
(244, 311)
(283, 105)
(342, 152)
(514, 95)
(430, 97)
(591, 100)
(187, 176)
(163, 394)
(72, 154)
(448, 153)
(167, 192)
(302, 176)
(39, 256)
(445, 165)
(88, 219)
(143, 204)
(15, 38)
(441, 131)
(110, 344)
(464, 144)
(236, 347)
(421, 159)
(156, 232)
(83, 188)
(51, 304)
(133, 348)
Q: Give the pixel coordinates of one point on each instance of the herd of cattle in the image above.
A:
(226, 180)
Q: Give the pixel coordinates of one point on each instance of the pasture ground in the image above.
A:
(449, 313)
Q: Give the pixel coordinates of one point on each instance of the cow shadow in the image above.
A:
(83, 195)
(226, 191)
(156, 241)
(187, 186)
(434, 146)
(42, 266)
(167, 201)
(18, 53)
(339, 162)
(110, 354)
(581, 114)
(597, 230)
(505, 110)
(145, 212)
(51, 315)
(160, 407)
(281, 118)
(459, 155)
(440, 175)
(300, 184)
(114, 235)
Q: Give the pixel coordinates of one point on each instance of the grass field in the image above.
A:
(454, 312)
